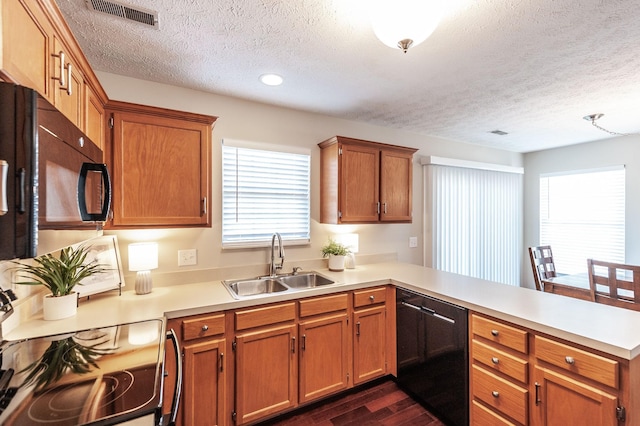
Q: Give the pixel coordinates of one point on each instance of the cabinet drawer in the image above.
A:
(322, 305)
(500, 394)
(257, 317)
(502, 334)
(481, 415)
(206, 326)
(498, 360)
(368, 297)
(592, 366)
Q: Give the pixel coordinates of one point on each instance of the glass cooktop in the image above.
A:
(98, 376)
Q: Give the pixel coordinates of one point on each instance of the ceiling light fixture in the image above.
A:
(271, 79)
(405, 23)
(593, 117)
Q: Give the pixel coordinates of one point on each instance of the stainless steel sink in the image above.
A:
(305, 280)
(254, 287)
(264, 286)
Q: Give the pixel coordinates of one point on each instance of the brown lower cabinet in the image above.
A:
(250, 364)
(369, 334)
(521, 377)
(265, 361)
(324, 346)
(205, 369)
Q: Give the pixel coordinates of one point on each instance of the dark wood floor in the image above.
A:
(382, 404)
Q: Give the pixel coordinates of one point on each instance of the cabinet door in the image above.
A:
(266, 373)
(26, 45)
(323, 356)
(563, 401)
(396, 175)
(204, 383)
(359, 183)
(161, 171)
(67, 97)
(369, 358)
(94, 120)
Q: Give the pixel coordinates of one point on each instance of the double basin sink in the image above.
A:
(263, 286)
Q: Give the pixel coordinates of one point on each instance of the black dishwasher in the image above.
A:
(432, 355)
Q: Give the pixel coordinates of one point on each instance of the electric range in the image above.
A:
(99, 376)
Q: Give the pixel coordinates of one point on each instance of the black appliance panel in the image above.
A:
(432, 353)
(100, 376)
(55, 178)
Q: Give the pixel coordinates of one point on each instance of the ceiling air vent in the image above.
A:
(124, 11)
(499, 132)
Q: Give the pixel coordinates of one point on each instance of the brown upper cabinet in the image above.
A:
(160, 162)
(40, 52)
(365, 182)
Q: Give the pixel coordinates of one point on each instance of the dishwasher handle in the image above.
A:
(429, 312)
(170, 419)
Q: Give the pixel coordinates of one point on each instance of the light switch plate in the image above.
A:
(187, 257)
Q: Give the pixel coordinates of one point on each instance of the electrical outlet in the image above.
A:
(413, 242)
(187, 257)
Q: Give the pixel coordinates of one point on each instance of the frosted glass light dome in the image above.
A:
(405, 23)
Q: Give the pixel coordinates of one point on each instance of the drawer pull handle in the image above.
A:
(495, 360)
(570, 360)
(495, 394)
(538, 401)
(494, 333)
(205, 327)
(372, 298)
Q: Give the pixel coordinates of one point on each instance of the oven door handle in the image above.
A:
(173, 415)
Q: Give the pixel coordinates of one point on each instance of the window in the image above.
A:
(264, 191)
(582, 216)
(474, 216)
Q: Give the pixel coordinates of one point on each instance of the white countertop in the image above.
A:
(605, 328)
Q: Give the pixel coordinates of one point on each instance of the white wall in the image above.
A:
(607, 152)
(244, 120)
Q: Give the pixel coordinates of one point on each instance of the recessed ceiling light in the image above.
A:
(271, 79)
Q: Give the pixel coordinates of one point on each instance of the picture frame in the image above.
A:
(105, 251)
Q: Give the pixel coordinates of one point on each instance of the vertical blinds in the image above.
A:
(264, 192)
(582, 215)
(475, 217)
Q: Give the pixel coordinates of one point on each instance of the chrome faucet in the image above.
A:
(273, 268)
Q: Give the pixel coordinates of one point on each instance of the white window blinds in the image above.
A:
(475, 220)
(582, 216)
(264, 192)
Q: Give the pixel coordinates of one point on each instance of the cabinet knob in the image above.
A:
(495, 360)
(494, 333)
(205, 327)
(372, 298)
(495, 394)
(570, 360)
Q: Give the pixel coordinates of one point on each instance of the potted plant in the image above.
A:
(336, 253)
(60, 275)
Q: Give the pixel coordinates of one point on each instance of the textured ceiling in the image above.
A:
(531, 68)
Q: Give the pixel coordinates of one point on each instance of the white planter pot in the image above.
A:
(55, 308)
(336, 263)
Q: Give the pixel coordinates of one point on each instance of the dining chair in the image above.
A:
(542, 265)
(614, 284)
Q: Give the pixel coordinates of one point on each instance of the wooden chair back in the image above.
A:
(542, 265)
(614, 284)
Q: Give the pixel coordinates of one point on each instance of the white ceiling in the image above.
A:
(532, 68)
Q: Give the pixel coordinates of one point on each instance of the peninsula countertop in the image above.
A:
(601, 327)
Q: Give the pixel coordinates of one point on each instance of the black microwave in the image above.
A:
(52, 176)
